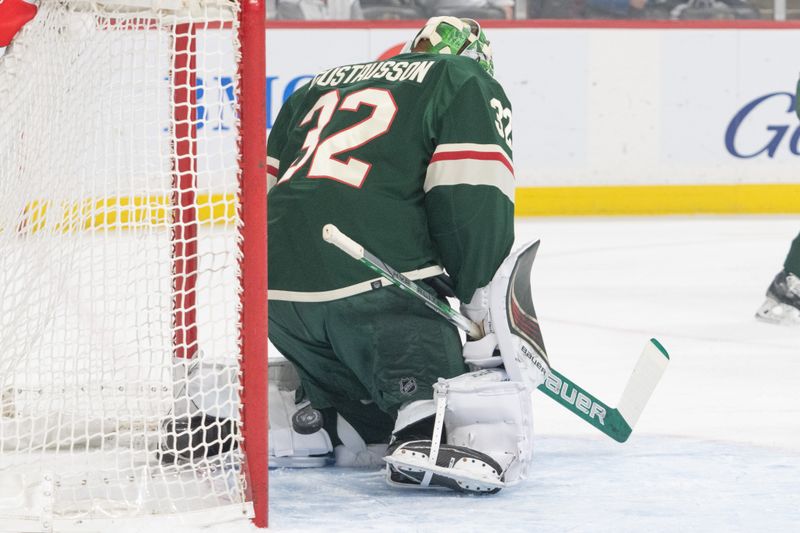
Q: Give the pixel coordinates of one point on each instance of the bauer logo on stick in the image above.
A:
(581, 402)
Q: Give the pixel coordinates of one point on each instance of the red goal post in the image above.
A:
(254, 218)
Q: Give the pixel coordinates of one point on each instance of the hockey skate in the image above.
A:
(782, 305)
(457, 468)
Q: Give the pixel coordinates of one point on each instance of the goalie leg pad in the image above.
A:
(353, 452)
(193, 439)
(288, 447)
(485, 412)
(297, 438)
(489, 437)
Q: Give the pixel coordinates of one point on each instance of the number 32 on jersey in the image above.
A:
(323, 162)
(502, 121)
(352, 171)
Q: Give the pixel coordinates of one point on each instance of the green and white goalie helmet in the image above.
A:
(451, 35)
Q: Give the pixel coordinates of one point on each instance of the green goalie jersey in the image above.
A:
(410, 157)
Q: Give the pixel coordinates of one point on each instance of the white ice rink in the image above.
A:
(717, 448)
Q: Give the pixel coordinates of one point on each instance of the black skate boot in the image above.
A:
(457, 468)
(782, 305)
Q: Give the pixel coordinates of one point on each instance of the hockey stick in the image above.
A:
(331, 234)
(617, 422)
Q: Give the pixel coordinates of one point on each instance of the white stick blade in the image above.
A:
(646, 375)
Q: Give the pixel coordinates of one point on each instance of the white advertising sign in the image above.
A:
(611, 106)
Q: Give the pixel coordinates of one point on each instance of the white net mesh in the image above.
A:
(119, 261)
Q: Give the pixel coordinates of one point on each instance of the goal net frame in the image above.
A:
(185, 203)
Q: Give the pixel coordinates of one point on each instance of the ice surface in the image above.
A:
(717, 448)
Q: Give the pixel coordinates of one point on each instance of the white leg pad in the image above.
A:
(205, 385)
(487, 413)
(412, 412)
(287, 447)
(354, 452)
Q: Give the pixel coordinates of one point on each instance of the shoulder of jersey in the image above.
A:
(462, 70)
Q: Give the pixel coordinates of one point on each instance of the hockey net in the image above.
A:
(132, 261)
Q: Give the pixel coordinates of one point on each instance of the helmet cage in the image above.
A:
(479, 49)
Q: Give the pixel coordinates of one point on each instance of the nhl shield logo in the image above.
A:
(408, 386)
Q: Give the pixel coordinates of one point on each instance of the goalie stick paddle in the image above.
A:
(616, 422)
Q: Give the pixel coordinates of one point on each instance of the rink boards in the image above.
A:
(625, 119)
(629, 119)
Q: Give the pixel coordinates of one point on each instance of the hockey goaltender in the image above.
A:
(410, 157)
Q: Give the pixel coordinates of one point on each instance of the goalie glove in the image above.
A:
(504, 310)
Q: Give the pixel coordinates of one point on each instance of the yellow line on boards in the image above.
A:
(658, 200)
(120, 213)
(218, 209)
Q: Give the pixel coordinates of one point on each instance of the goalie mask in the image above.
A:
(451, 35)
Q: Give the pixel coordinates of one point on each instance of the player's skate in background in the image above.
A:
(782, 305)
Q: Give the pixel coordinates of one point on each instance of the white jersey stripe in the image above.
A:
(470, 172)
(352, 290)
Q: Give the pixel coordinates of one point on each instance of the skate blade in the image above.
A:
(775, 312)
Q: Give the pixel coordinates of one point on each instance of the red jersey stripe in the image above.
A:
(472, 154)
